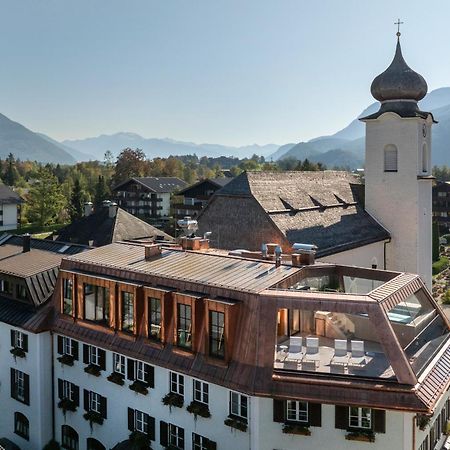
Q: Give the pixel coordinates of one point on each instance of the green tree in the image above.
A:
(45, 199)
(130, 163)
(11, 175)
(77, 199)
(101, 192)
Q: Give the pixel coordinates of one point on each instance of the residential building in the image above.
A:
(108, 224)
(441, 205)
(197, 196)
(201, 350)
(148, 197)
(28, 273)
(10, 208)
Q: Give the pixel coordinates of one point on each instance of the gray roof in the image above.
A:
(7, 195)
(218, 182)
(157, 184)
(321, 208)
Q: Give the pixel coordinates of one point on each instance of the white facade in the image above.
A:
(401, 199)
(37, 365)
(9, 216)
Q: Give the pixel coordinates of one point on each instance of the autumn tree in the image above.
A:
(45, 199)
(130, 163)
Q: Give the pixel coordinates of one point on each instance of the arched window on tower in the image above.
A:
(69, 438)
(390, 158)
(424, 158)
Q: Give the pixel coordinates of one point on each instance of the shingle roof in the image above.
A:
(7, 195)
(218, 182)
(157, 184)
(321, 208)
(102, 229)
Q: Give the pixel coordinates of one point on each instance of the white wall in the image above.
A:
(37, 365)
(165, 203)
(9, 217)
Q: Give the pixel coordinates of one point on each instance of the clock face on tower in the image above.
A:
(424, 130)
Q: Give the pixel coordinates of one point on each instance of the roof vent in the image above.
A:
(304, 254)
(105, 203)
(112, 210)
(151, 251)
(88, 209)
(26, 242)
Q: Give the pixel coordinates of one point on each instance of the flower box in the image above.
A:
(236, 423)
(67, 405)
(18, 352)
(93, 369)
(140, 440)
(302, 430)
(66, 360)
(116, 378)
(140, 387)
(362, 436)
(173, 399)
(198, 409)
(93, 417)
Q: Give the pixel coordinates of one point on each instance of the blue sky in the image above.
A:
(233, 72)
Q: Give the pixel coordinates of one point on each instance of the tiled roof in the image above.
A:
(102, 229)
(157, 184)
(218, 182)
(7, 195)
(202, 268)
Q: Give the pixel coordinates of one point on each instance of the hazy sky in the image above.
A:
(223, 71)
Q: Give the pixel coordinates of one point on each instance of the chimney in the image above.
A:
(264, 250)
(305, 254)
(87, 209)
(271, 249)
(194, 243)
(112, 210)
(151, 251)
(26, 240)
(105, 203)
(278, 252)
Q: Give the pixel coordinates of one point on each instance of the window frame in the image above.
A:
(199, 393)
(294, 406)
(18, 339)
(121, 362)
(67, 344)
(125, 297)
(94, 355)
(68, 390)
(95, 404)
(101, 303)
(390, 151)
(184, 325)
(220, 330)
(21, 427)
(236, 406)
(176, 383)
(200, 442)
(141, 421)
(19, 385)
(67, 300)
(154, 323)
(173, 436)
(68, 437)
(360, 418)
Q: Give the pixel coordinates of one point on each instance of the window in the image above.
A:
(67, 346)
(201, 391)
(390, 158)
(216, 330)
(127, 312)
(296, 411)
(137, 370)
(424, 158)
(94, 356)
(184, 337)
(177, 383)
(6, 287)
(360, 417)
(94, 402)
(142, 422)
(21, 425)
(154, 319)
(176, 436)
(119, 364)
(93, 444)
(67, 296)
(141, 371)
(20, 386)
(67, 390)
(202, 443)
(19, 340)
(238, 405)
(22, 292)
(69, 438)
(96, 303)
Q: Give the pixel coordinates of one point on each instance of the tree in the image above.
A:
(130, 163)
(52, 445)
(45, 199)
(101, 192)
(11, 175)
(77, 199)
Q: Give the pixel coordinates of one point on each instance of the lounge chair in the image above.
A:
(358, 355)
(340, 352)
(312, 350)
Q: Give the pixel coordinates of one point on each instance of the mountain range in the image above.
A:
(344, 148)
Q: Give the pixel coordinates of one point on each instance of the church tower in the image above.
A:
(398, 178)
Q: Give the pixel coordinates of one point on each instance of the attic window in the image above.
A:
(390, 158)
(63, 248)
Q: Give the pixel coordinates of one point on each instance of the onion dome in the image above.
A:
(399, 81)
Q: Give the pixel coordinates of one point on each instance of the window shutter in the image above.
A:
(86, 354)
(181, 433)
(341, 417)
(390, 159)
(26, 394)
(102, 359)
(379, 420)
(25, 343)
(13, 338)
(279, 408)
(131, 419)
(13, 384)
(151, 428)
(75, 349)
(315, 414)
(163, 433)
(150, 375)
(86, 399)
(211, 445)
(60, 388)
(60, 345)
(103, 407)
(76, 394)
(130, 369)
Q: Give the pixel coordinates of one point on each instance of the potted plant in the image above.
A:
(198, 409)
(140, 387)
(422, 420)
(67, 405)
(18, 352)
(360, 435)
(66, 360)
(140, 441)
(93, 417)
(296, 428)
(236, 423)
(173, 399)
(93, 369)
(116, 378)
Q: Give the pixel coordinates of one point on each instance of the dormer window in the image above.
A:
(96, 303)
(67, 296)
(22, 293)
(216, 334)
(390, 158)
(5, 287)
(184, 321)
(128, 312)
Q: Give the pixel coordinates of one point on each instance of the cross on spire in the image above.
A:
(398, 23)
